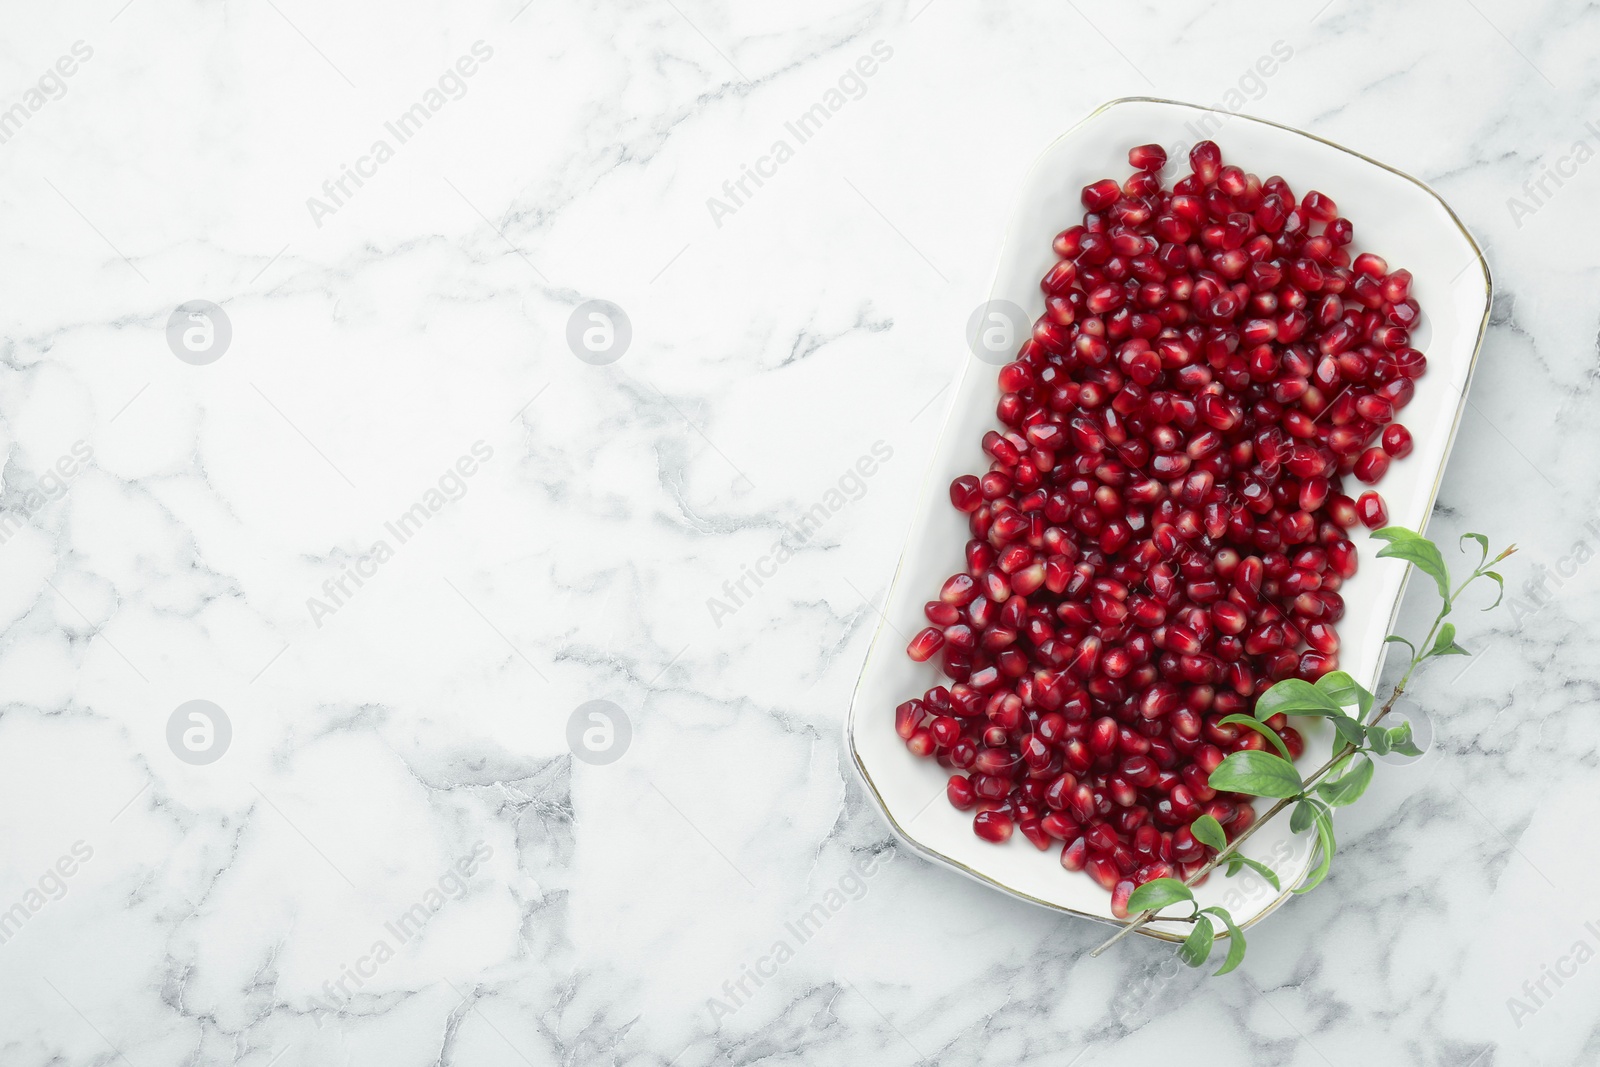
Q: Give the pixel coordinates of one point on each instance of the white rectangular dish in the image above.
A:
(1395, 216)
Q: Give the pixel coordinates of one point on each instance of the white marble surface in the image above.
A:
(423, 723)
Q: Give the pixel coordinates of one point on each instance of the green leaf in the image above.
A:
(1157, 894)
(1351, 730)
(1304, 814)
(1501, 582)
(1348, 787)
(1208, 831)
(1378, 738)
(1197, 946)
(1398, 640)
(1267, 873)
(1418, 551)
(1345, 690)
(1235, 864)
(1483, 543)
(1446, 645)
(1260, 774)
(1261, 728)
(1399, 740)
(1327, 846)
(1235, 942)
(1295, 696)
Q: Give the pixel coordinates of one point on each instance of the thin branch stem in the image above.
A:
(1316, 776)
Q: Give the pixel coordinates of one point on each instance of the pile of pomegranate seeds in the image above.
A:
(1161, 534)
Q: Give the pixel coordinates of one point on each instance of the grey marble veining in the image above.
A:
(399, 859)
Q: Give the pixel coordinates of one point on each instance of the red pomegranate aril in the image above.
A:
(1410, 363)
(1372, 465)
(1182, 640)
(959, 590)
(994, 485)
(907, 717)
(1398, 392)
(1035, 833)
(1375, 408)
(1374, 513)
(1147, 157)
(1322, 637)
(1101, 838)
(1320, 207)
(1342, 510)
(993, 826)
(1058, 794)
(1370, 265)
(946, 731)
(925, 644)
(1103, 870)
(965, 494)
(990, 786)
(1081, 804)
(1185, 849)
(1101, 195)
(1397, 440)
(1059, 826)
(1119, 897)
(1140, 771)
(960, 792)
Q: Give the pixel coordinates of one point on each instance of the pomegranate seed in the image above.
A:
(1034, 832)
(1101, 195)
(1103, 870)
(946, 731)
(1161, 532)
(1320, 207)
(907, 717)
(993, 826)
(925, 644)
(1185, 849)
(1397, 441)
(1059, 826)
(1206, 159)
(1372, 465)
(1147, 157)
(960, 792)
(1397, 286)
(1370, 265)
(1374, 514)
(1293, 740)
(965, 494)
(1119, 897)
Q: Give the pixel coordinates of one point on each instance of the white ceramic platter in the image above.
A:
(1395, 216)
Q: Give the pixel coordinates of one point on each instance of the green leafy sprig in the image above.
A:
(1358, 736)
